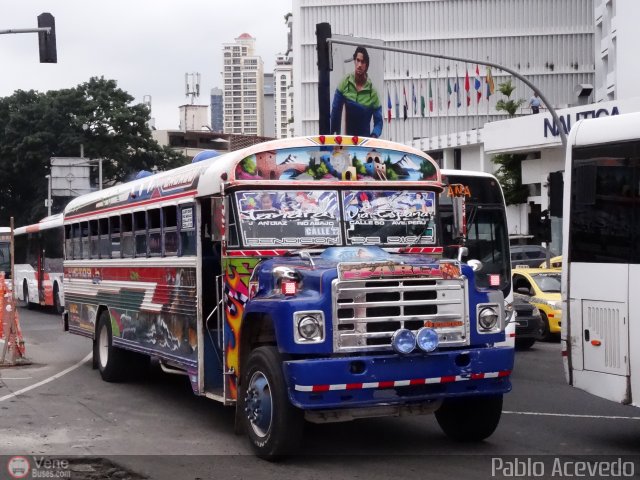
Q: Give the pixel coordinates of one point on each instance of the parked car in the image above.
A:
(531, 255)
(541, 287)
(556, 262)
(528, 321)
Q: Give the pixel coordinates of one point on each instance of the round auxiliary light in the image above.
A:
(487, 318)
(427, 339)
(309, 327)
(403, 341)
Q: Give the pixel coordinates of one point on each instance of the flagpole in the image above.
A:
(446, 120)
(437, 108)
(457, 125)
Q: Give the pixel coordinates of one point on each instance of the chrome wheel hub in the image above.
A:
(258, 404)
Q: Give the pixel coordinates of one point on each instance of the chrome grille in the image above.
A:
(366, 313)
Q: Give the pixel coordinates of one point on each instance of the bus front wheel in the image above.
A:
(470, 419)
(273, 425)
(110, 360)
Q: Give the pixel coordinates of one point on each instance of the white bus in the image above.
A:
(601, 257)
(38, 263)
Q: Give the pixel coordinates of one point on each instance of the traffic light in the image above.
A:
(545, 227)
(47, 41)
(556, 187)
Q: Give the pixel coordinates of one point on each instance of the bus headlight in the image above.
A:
(308, 327)
(427, 339)
(403, 341)
(488, 318)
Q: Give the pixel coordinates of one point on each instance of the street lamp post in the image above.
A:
(48, 177)
(85, 127)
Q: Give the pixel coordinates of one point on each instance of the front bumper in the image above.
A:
(359, 381)
(528, 326)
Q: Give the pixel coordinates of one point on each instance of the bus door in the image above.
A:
(211, 281)
(40, 270)
(599, 265)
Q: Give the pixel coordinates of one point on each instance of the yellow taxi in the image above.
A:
(555, 262)
(541, 287)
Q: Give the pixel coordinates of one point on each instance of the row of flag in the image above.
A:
(454, 92)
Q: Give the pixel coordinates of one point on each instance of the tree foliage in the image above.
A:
(509, 105)
(509, 175)
(36, 126)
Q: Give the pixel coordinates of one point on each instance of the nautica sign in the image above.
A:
(565, 120)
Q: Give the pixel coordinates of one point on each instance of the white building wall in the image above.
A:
(616, 40)
(193, 117)
(550, 41)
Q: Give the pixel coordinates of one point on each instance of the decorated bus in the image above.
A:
(296, 280)
(38, 263)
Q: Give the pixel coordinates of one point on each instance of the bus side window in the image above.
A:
(105, 245)
(114, 229)
(140, 226)
(94, 239)
(170, 230)
(84, 239)
(68, 242)
(126, 223)
(187, 230)
(76, 240)
(155, 232)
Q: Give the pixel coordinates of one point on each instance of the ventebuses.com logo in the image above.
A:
(18, 467)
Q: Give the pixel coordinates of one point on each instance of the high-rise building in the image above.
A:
(268, 111)
(283, 96)
(217, 110)
(548, 41)
(243, 87)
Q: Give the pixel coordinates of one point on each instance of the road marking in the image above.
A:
(15, 378)
(544, 414)
(46, 380)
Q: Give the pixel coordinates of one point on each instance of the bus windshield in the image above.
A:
(390, 218)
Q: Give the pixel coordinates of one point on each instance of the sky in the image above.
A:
(147, 46)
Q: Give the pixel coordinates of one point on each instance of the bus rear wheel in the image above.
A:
(110, 360)
(273, 425)
(470, 419)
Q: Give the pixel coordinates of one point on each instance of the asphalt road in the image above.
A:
(156, 428)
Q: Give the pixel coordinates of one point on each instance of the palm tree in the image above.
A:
(510, 106)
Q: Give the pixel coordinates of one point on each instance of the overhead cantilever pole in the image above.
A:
(552, 111)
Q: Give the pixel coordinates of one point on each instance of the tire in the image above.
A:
(470, 419)
(57, 305)
(525, 343)
(545, 334)
(264, 394)
(25, 296)
(110, 360)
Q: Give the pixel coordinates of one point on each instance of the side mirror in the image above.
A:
(462, 252)
(523, 291)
